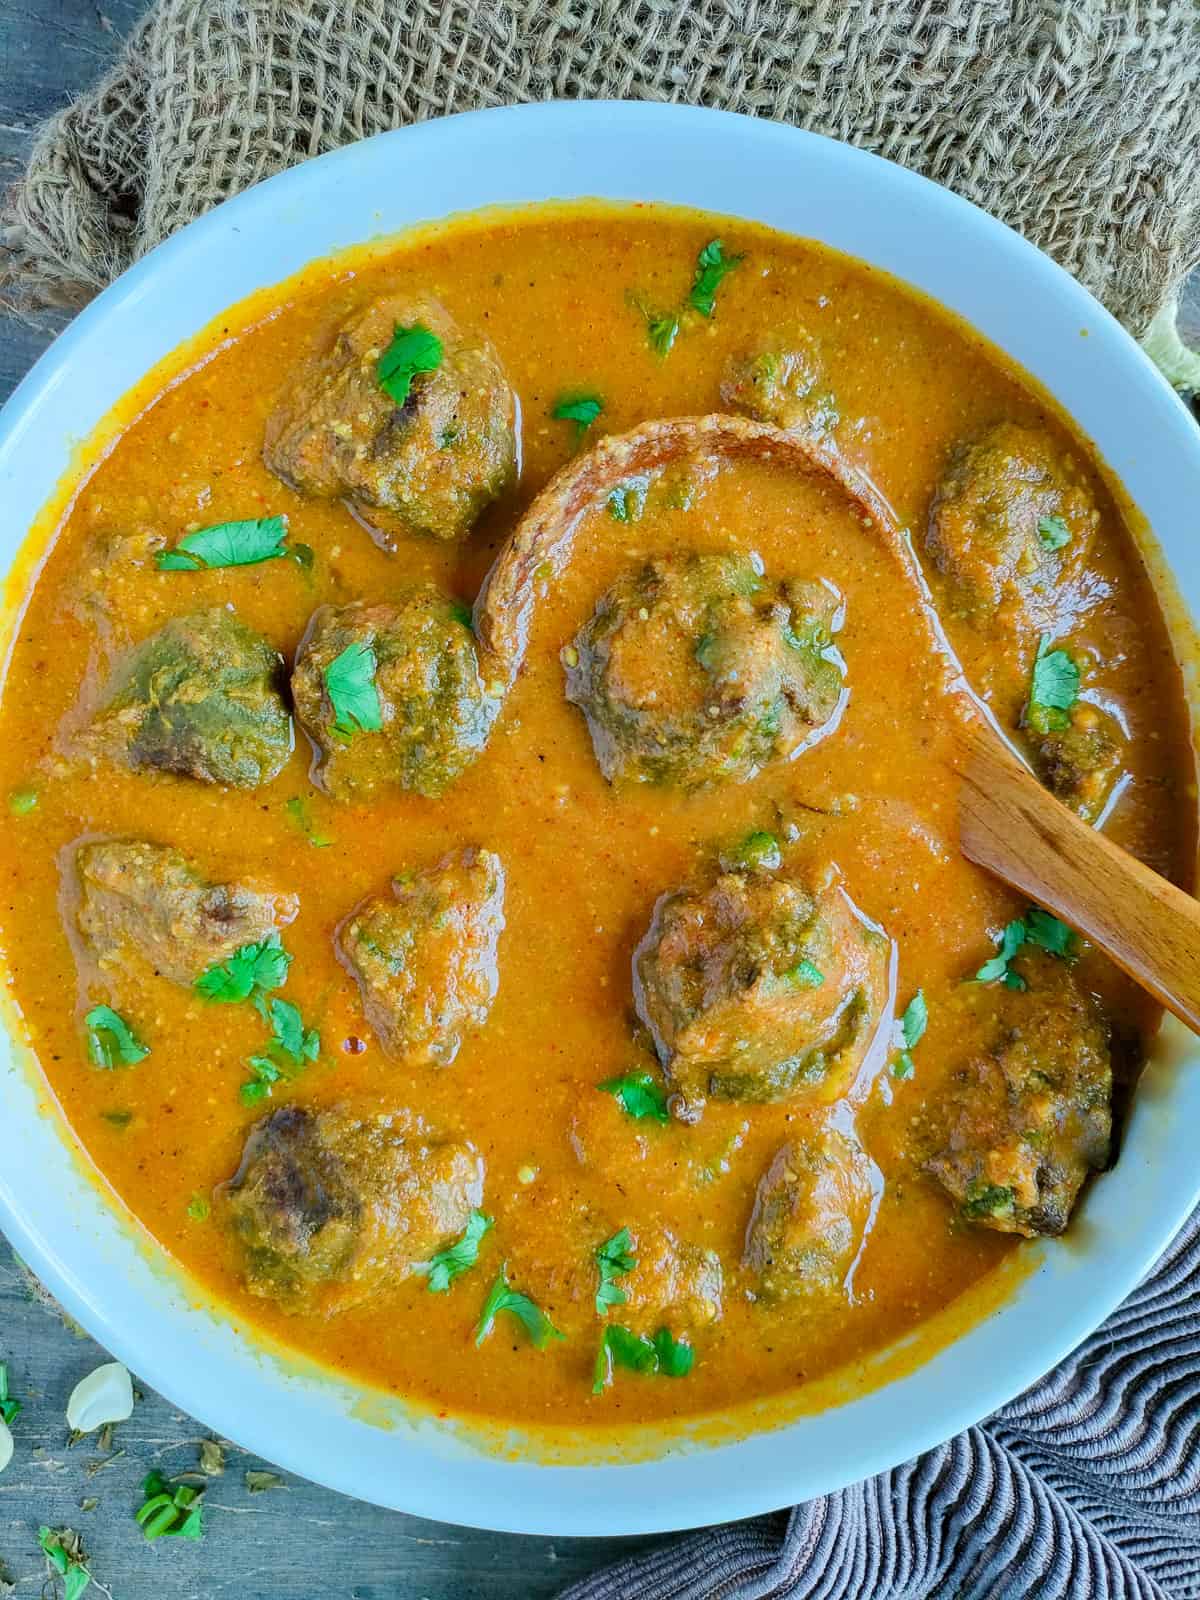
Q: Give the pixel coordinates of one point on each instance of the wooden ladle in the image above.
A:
(1008, 823)
(1016, 829)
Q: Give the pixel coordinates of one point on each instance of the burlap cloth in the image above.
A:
(1079, 124)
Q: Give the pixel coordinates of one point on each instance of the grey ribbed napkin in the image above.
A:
(1087, 1487)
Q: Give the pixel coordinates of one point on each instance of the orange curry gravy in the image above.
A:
(557, 292)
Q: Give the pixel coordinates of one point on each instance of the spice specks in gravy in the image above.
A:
(561, 998)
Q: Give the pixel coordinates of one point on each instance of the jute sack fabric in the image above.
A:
(1077, 121)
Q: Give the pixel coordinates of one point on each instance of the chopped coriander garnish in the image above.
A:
(531, 1317)
(581, 409)
(10, 1409)
(1038, 928)
(350, 684)
(111, 1041)
(912, 1029)
(298, 812)
(412, 350)
(253, 968)
(459, 1257)
(915, 1020)
(661, 331)
(233, 544)
(1053, 533)
(198, 1208)
(118, 1118)
(175, 1512)
(462, 613)
(63, 1549)
(291, 1047)
(1053, 690)
(759, 849)
(1046, 932)
(640, 1095)
(712, 264)
(22, 801)
(613, 1261)
(663, 1354)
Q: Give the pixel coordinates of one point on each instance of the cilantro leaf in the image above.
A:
(229, 544)
(712, 265)
(1048, 933)
(627, 501)
(915, 1020)
(22, 801)
(254, 967)
(531, 1317)
(987, 1200)
(905, 1066)
(111, 1041)
(198, 1209)
(613, 1261)
(291, 1048)
(1037, 928)
(298, 812)
(175, 1512)
(640, 1095)
(672, 1358)
(1053, 690)
(350, 684)
(581, 409)
(412, 350)
(1053, 533)
(459, 1257)
(804, 975)
(661, 331)
(10, 1409)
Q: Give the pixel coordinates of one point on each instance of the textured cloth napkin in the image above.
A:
(1076, 121)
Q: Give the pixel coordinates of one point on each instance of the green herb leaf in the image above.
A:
(1053, 691)
(253, 968)
(63, 1550)
(915, 1020)
(461, 612)
(760, 849)
(10, 1409)
(640, 1094)
(1011, 941)
(412, 350)
(175, 1511)
(459, 1257)
(22, 801)
(613, 1261)
(296, 1042)
(118, 1118)
(111, 1042)
(298, 812)
(198, 1208)
(675, 1356)
(228, 544)
(662, 331)
(712, 265)
(1053, 533)
(531, 1317)
(1046, 932)
(619, 1347)
(904, 1067)
(350, 685)
(581, 409)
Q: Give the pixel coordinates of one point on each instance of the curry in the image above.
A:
(557, 996)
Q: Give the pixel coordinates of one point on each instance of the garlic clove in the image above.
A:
(104, 1396)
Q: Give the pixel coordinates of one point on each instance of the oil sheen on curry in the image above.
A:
(522, 958)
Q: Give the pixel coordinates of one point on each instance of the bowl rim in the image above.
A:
(702, 156)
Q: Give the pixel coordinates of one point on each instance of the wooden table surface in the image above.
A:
(297, 1542)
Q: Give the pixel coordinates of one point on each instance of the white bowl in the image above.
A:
(119, 1285)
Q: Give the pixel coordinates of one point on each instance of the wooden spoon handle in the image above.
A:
(1011, 825)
